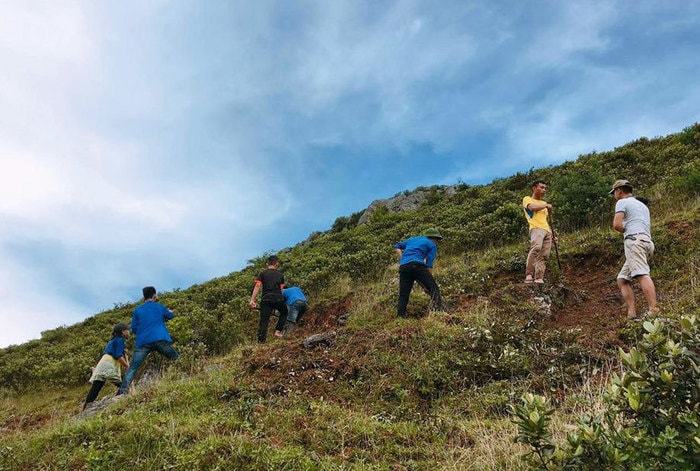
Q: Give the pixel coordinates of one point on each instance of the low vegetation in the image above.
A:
(462, 389)
(650, 415)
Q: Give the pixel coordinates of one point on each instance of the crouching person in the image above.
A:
(148, 324)
(297, 305)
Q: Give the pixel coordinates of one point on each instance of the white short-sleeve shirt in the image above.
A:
(637, 219)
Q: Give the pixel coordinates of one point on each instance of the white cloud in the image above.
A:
(166, 142)
(26, 309)
(50, 37)
(92, 201)
(568, 29)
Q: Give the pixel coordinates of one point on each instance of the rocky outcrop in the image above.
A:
(406, 201)
(99, 405)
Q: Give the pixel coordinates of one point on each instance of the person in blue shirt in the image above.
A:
(416, 258)
(148, 324)
(108, 369)
(297, 305)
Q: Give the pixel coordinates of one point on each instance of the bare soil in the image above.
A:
(585, 298)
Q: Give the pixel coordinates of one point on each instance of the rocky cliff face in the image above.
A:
(406, 201)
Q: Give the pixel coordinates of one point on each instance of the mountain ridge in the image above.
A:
(382, 393)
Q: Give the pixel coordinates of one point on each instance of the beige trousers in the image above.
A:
(540, 246)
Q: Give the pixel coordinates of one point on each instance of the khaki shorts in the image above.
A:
(638, 251)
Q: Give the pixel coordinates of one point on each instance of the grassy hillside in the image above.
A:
(431, 392)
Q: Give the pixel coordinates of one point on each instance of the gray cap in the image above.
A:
(618, 184)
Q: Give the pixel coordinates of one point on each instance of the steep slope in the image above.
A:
(430, 392)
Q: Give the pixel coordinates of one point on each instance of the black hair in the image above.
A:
(272, 260)
(537, 182)
(626, 188)
(119, 329)
(149, 292)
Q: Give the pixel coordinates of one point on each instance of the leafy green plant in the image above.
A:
(651, 420)
(532, 417)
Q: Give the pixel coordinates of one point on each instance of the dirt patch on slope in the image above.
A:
(325, 316)
(594, 306)
(585, 299)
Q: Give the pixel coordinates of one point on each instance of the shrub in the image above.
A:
(532, 418)
(580, 197)
(688, 182)
(651, 418)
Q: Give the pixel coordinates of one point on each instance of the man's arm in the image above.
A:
(534, 207)
(253, 296)
(399, 247)
(430, 258)
(618, 222)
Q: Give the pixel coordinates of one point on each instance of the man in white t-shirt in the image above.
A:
(632, 219)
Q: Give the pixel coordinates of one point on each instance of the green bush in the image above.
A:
(651, 418)
(688, 182)
(580, 197)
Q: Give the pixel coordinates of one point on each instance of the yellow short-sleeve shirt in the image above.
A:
(536, 219)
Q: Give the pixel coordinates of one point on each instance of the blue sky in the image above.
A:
(168, 142)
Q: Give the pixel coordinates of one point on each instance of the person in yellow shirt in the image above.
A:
(536, 212)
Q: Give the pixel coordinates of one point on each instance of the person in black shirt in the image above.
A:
(272, 282)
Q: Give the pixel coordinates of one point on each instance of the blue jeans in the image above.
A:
(163, 347)
(296, 310)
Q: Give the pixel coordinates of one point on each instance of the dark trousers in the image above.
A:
(414, 271)
(266, 308)
(94, 391)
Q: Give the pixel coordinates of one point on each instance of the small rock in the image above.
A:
(543, 305)
(326, 338)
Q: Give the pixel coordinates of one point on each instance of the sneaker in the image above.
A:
(278, 333)
(539, 281)
(528, 279)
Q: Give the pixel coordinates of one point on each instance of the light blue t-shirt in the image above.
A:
(637, 219)
(292, 295)
(417, 249)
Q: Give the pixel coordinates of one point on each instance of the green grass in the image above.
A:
(428, 393)
(425, 394)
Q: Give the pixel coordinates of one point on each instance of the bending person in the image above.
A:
(297, 305)
(416, 258)
(148, 324)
